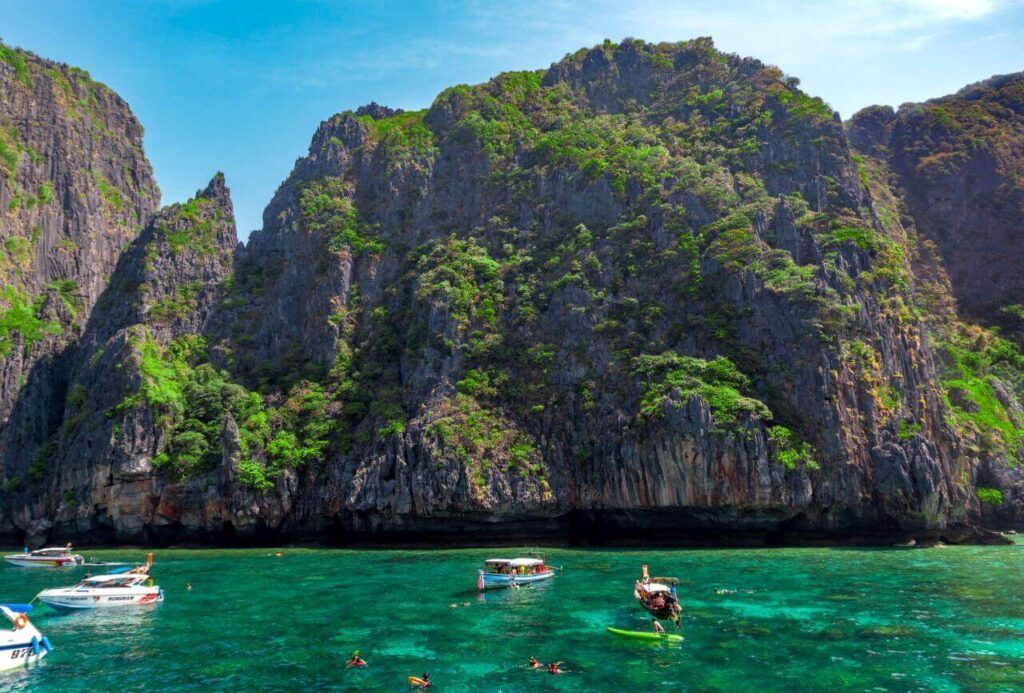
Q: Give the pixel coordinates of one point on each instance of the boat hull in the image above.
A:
(669, 611)
(88, 599)
(18, 655)
(492, 580)
(22, 647)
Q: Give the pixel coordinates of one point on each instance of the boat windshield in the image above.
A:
(108, 581)
(51, 552)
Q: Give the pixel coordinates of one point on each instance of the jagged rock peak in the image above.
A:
(376, 111)
(216, 189)
(638, 62)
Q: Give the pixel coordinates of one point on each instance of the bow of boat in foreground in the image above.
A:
(24, 645)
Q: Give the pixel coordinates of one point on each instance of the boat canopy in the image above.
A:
(656, 587)
(514, 561)
(526, 561)
(18, 608)
(52, 551)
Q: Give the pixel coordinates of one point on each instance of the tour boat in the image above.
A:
(127, 587)
(24, 645)
(658, 596)
(503, 572)
(55, 557)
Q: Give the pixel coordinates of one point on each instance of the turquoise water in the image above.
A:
(942, 619)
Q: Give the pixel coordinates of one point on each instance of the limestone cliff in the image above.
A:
(75, 189)
(649, 291)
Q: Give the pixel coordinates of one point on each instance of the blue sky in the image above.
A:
(241, 86)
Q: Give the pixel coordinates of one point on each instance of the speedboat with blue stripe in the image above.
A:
(23, 645)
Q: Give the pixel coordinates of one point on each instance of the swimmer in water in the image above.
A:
(553, 668)
(356, 661)
(534, 664)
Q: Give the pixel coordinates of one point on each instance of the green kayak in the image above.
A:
(638, 635)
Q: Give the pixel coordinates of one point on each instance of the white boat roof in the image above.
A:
(52, 549)
(515, 561)
(656, 587)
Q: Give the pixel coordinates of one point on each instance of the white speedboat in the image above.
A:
(54, 557)
(504, 572)
(24, 645)
(128, 587)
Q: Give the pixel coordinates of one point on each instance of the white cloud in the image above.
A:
(953, 9)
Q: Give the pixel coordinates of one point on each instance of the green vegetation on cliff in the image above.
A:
(983, 376)
(20, 316)
(327, 209)
(192, 401)
(673, 377)
(191, 225)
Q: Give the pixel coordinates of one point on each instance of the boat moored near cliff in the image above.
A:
(126, 587)
(508, 572)
(657, 595)
(53, 557)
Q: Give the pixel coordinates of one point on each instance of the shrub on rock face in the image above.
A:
(989, 496)
(674, 378)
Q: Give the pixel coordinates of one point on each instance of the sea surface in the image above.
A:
(938, 619)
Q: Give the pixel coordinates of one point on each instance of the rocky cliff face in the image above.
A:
(960, 163)
(950, 171)
(75, 188)
(650, 289)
